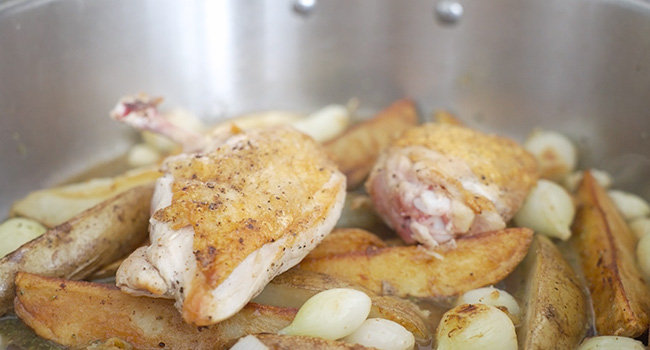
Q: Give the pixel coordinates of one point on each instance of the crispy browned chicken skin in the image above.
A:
(441, 181)
(230, 217)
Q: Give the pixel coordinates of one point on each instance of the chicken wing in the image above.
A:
(230, 217)
(441, 181)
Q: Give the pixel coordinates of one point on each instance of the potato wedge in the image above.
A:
(54, 206)
(555, 307)
(76, 313)
(324, 124)
(606, 247)
(87, 242)
(285, 342)
(356, 149)
(346, 240)
(477, 261)
(15, 232)
(294, 287)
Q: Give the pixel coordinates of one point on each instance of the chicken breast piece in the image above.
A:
(229, 218)
(440, 181)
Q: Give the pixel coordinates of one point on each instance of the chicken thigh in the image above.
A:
(440, 181)
(230, 215)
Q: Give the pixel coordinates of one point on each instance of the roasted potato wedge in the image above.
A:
(77, 313)
(346, 240)
(15, 232)
(110, 344)
(356, 149)
(555, 305)
(82, 245)
(606, 247)
(294, 287)
(286, 342)
(477, 261)
(54, 206)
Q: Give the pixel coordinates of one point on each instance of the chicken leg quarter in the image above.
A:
(230, 217)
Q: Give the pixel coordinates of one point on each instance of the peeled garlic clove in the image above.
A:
(548, 209)
(382, 334)
(643, 256)
(630, 205)
(572, 180)
(143, 154)
(476, 326)
(16, 232)
(249, 342)
(610, 342)
(264, 119)
(500, 299)
(555, 153)
(640, 227)
(330, 314)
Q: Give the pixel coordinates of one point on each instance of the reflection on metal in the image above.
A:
(449, 11)
(304, 7)
(578, 67)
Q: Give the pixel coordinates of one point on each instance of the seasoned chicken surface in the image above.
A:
(440, 181)
(229, 218)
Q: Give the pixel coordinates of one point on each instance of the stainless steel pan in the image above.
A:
(578, 66)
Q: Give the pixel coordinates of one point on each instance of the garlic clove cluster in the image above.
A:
(342, 313)
(330, 314)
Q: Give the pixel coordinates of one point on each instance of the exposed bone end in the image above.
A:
(131, 109)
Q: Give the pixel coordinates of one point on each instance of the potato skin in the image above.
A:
(77, 313)
(82, 245)
(346, 240)
(356, 149)
(477, 261)
(555, 305)
(606, 247)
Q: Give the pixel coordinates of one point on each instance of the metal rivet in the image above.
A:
(304, 7)
(449, 11)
